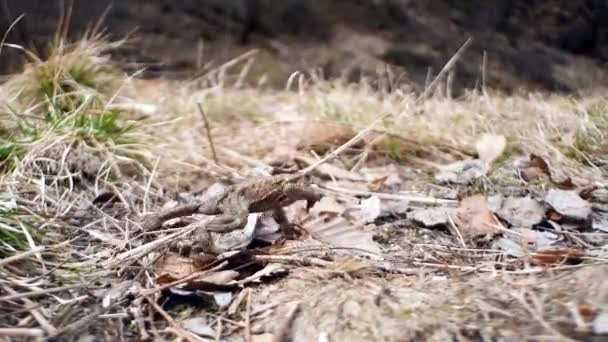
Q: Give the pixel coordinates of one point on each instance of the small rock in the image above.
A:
(461, 172)
(569, 204)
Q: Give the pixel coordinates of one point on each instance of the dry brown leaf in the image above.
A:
(587, 312)
(219, 278)
(332, 171)
(269, 271)
(377, 184)
(339, 232)
(473, 218)
(200, 326)
(265, 337)
(539, 166)
(555, 256)
(554, 216)
(385, 179)
(540, 163)
(490, 147)
(327, 205)
(172, 267)
(569, 204)
(531, 174)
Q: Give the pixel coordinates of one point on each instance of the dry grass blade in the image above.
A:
(208, 131)
(446, 68)
(20, 256)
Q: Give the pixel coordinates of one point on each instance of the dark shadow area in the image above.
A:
(555, 45)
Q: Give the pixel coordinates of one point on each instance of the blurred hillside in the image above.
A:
(546, 45)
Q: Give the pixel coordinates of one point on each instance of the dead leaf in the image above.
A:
(600, 219)
(219, 278)
(118, 291)
(268, 229)
(525, 241)
(366, 212)
(587, 192)
(555, 256)
(339, 232)
(569, 204)
(473, 218)
(521, 212)
(565, 184)
(172, 267)
(327, 205)
(587, 312)
(554, 216)
(531, 174)
(538, 167)
(600, 324)
(270, 271)
(388, 180)
(332, 171)
(431, 217)
(199, 326)
(461, 172)
(540, 163)
(490, 147)
(266, 337)
(377, 184)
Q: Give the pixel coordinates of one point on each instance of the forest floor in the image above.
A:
(483, 217)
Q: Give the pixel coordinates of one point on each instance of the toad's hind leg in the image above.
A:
(234, 217)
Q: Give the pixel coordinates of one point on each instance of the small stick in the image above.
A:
(208, 130)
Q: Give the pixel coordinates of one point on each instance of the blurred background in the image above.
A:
(553, 45)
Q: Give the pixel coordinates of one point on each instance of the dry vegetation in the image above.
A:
(86, 151)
